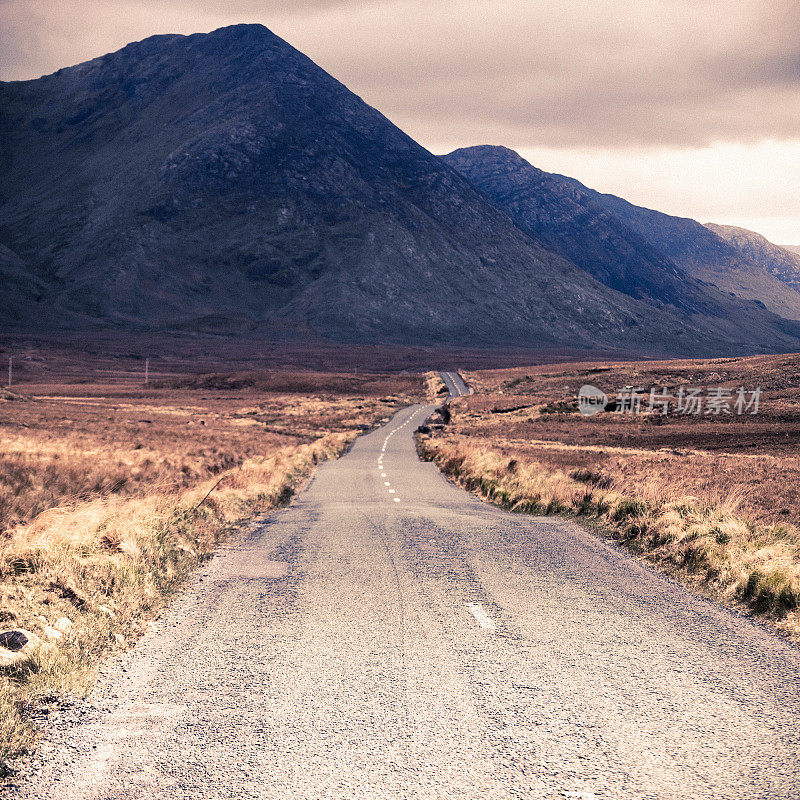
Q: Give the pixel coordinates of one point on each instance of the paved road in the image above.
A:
(454, 383)
(389, 636)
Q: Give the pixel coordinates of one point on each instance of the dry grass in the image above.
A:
(435, 387)
(716, 500)
(105, 504)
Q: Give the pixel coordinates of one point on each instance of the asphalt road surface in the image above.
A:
(454, 383)
(390, 636)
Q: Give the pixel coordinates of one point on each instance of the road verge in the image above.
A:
(709, 545)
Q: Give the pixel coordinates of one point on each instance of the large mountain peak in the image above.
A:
(224, 181)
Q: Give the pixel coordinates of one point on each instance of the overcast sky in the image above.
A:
(689, 106)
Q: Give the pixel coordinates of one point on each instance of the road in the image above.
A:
(390, 636)
(454, 383)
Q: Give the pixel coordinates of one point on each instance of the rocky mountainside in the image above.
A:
(224, 182)
(704, 254)
(643, 253)
(21, 291)
(781, 262)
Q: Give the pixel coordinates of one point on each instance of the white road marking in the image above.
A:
(391, 491)
(396, 499)
(484, 620)
(386, 483)
(383, 474)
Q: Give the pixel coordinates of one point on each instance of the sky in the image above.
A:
(688, 106)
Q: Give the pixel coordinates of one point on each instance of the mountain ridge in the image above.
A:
(781, 262)
(225, 182)
(639, 251)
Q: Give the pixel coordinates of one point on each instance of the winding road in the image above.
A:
(390, 636)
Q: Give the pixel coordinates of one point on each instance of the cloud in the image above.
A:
(621, 72)
(607, 72)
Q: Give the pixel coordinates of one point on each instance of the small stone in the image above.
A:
(63, 624)
(51, 633)
(18, 648)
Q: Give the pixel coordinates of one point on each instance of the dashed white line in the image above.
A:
(483, 619)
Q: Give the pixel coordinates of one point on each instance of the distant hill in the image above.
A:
(223, 182)
(624, 251)
(781, 262)
(704, 254)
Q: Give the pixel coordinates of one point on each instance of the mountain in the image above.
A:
(223, 182)
(617, 248)
(641, 252)
(564, 215)
(781, 262)
(705, 255)
(792, 248)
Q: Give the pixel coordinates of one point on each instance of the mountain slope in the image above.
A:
(575, 222)
(224, 182)
(778, 261)
(21, 291)
(703, 254)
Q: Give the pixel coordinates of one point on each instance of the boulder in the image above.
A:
(18, 649)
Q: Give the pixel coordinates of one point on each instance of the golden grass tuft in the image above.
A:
(435, 387)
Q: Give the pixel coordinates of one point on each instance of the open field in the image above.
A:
(715, 498)
(107, 356)
(110, 493)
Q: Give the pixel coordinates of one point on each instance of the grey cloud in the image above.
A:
(572, 73)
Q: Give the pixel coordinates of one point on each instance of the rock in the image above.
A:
(63, 624)
(18, 648)
(51, 633)
(106, 610)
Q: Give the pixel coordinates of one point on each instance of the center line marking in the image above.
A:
(484, 620)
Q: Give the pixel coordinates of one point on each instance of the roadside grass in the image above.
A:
(107, 503)
(435, 387)
(709, 540)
